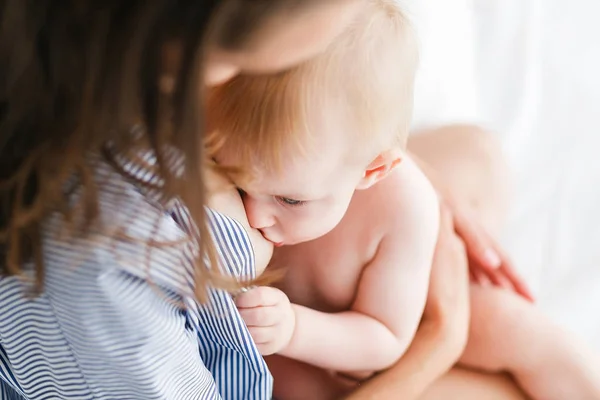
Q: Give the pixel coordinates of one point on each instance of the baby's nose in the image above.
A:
(261, 221)
(259, 217)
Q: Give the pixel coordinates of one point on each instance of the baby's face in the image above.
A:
(306, 200)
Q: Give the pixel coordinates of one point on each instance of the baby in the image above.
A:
(318, 154)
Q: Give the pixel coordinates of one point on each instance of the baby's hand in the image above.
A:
(269, 316)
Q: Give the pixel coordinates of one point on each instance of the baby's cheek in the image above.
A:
(336, 216)
(313, 223)
(326, 224)
(304, 230)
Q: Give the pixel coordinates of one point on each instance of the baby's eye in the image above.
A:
(290, 202)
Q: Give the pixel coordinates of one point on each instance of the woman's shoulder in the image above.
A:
(97, 330)
(136, 234)
(112, 296)
(122, 287)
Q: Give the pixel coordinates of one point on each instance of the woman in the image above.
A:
(100, 137)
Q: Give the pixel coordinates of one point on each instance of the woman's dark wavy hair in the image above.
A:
(76, 75)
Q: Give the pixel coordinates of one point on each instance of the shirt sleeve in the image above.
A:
(118, 318)
(120, 306)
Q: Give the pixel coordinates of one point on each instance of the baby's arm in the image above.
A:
(392, 291)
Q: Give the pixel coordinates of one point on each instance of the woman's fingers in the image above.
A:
(517, 282)
(479, 277)
(477, 243)
(488, 258)
(507, 276)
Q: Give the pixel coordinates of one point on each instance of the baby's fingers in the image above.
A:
(263, 335)
(265, 339)
(262, 296)
(260, 316)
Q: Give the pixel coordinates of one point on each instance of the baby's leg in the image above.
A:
(510, 334)
(298, 381)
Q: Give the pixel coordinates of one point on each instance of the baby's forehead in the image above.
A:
(316, 154)
(319, 136)
(307, 176)
(313, 166)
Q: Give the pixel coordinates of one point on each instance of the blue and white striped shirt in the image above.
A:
(111, 324)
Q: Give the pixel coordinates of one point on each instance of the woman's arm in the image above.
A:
(441, 338)
(426, 360)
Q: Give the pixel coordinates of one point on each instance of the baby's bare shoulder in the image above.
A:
(385, 203)
(402, 203)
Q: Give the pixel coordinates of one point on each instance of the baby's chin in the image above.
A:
(299, 240)
(291, 242)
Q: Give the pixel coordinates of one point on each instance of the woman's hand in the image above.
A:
(488, 261)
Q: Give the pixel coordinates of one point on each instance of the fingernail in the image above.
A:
(240, 291)
(492, 258)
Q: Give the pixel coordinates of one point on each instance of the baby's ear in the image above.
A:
(379, 168)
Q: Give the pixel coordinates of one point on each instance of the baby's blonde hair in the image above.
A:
(367, 73)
